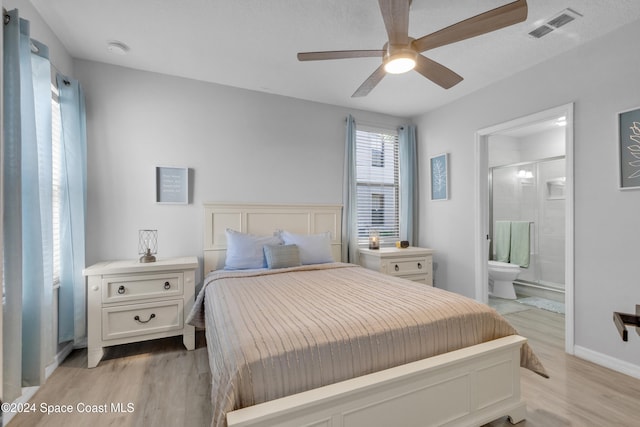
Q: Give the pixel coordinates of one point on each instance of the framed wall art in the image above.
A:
(629, 148)
(439, 167)
(172, 185)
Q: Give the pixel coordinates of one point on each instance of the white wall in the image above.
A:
(602, 79)
(543, 145)
(242, 146)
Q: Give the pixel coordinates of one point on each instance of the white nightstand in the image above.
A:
(410, 263)
(129, 301)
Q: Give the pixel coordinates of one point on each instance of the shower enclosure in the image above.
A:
(534, 192)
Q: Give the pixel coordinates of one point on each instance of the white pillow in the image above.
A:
(313, 248)
(246, 251)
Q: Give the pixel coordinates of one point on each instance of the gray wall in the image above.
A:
(241, 145)
(602, 79)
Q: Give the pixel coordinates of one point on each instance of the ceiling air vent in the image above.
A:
(540, 31)
(563, 18)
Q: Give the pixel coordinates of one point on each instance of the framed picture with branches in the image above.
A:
(439, 167)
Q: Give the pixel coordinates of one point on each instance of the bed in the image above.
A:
(334, 344)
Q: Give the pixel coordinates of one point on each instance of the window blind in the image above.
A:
(378, 179)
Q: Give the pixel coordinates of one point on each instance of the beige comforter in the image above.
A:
(272, 333)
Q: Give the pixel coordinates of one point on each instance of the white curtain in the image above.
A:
(28, 272)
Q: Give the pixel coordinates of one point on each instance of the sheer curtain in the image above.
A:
(408, 154)
(71, 319)
(350, 197)
(26, 172)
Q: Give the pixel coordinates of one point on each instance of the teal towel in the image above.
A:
(502, 240)
(520, 243)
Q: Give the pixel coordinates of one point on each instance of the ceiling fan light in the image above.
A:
(399, 65)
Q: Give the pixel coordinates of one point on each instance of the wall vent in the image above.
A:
(559, 20)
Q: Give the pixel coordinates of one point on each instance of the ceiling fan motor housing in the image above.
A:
(399, 59)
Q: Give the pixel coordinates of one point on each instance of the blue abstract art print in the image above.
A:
(439, 177)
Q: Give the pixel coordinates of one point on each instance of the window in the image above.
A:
(377, 209)
(377, 184)
(56, 166)
(377, 155)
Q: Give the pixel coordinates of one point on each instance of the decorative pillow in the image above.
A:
(282, 256)
(313, 248)
(245, 251)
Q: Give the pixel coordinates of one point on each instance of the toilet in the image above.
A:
(501, 277)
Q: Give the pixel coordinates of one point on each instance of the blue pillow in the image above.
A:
(282, 256)
(313, 248)
(245, 251)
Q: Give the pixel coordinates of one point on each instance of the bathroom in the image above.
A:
(527, 173)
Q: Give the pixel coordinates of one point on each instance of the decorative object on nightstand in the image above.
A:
(409, 263)
(128, 301)
(147, 245)
(374, 239)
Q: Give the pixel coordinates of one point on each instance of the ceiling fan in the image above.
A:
(403, 53)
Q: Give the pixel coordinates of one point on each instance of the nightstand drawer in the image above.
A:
(141, 319)
(403, 267)
(420, 278)
(141, 286)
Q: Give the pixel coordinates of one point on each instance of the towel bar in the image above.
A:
(622, 320)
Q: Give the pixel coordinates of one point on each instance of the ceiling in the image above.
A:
(252, 44)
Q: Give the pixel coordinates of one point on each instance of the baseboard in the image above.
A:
(28, 392)
(58, 359)
(607, 361)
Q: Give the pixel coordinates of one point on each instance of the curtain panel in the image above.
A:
(408, 154)
(27, 226)
(350, 197)
(73, 208)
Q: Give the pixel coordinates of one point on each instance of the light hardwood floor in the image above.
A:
(169, 386)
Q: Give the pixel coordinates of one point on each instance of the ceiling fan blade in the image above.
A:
(339, 54)
(437, 73)
(395, 14)
(370, 83)
(492, 20)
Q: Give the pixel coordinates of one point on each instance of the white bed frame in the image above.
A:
(468, 387)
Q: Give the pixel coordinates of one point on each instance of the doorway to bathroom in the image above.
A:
(532, 191)
(525, 174)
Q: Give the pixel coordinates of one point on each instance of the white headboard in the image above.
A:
(264, 220)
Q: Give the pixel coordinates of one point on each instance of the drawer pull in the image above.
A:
(121, 290)
(397, 267)
(419, 266)
(167, 285)
(137, 318)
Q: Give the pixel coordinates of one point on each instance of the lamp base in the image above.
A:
(148, 257)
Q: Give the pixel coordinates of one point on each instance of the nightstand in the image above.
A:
(409, 263)
(129, 301)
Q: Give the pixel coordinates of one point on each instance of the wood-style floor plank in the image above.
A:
(169, 386)
(165, 384)
(578, 393)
